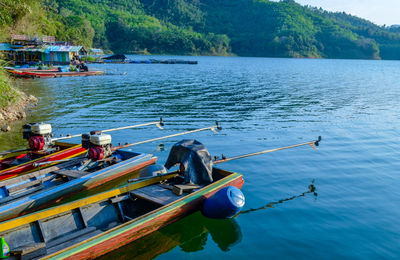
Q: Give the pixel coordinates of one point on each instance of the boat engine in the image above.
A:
(98, 145)
(39, 136)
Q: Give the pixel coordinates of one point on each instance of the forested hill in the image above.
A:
(210, 27)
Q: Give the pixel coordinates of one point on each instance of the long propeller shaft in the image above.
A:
(311, 143)
(212, 128)
(159, 124)
(13, 151)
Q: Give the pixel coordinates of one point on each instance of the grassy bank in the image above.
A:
(8, 93)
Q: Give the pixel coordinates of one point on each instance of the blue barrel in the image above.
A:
(225, 203)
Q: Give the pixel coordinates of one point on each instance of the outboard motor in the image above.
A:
(194, 160)
(99, 145)
(39, 136)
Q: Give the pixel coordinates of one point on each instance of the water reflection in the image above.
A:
(311, 189)
(191, 234)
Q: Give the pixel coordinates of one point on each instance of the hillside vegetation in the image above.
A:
(8, 93)
(203, 27)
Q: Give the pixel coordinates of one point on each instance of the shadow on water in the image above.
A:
(311, 189)
(191, 234)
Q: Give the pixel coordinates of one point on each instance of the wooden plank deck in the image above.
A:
(156, 194)
(71, 173)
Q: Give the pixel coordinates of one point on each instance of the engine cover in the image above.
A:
(100, 139)
(36, 142)
(96, 153)
(41, 129)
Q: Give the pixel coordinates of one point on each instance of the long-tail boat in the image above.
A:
(44, 148)
(52, 74)
(32, 69)
(40, 188)
(30, 191)
(16, 163)
(90, 227)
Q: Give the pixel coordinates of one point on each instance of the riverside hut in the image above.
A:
(59, 54)
(24, 49)
(5, 49)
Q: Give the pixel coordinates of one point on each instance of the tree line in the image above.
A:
(206, 27)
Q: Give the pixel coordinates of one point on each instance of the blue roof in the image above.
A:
(61, 48)
(45, 48)
(96, 50)
(5, 47)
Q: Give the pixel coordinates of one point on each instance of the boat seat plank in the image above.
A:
(29, 184)
(156, 194)
(180, 188)
(30, 251)
(38, 172)
(63, 239)
(27, 248)
(119, 198)
(71, 173)
(73, 241)
(22, 194)
(23, 186)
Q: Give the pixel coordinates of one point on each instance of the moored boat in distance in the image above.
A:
(52, 74)
(32, 69)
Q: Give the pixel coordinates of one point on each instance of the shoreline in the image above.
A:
(16, 110)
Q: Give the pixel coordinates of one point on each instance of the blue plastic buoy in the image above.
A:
(226, 203)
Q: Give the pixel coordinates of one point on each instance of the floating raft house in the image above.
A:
(120, 58)
(24, 49)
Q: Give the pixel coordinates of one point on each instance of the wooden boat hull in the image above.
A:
(85, 229)
(69, 151)
(201, 230)
(50, 74)
(11, 155)
(46, 197)
(18, 73)
(31, 69)
(129, 232)
(7, 157)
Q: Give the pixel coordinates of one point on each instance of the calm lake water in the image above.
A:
(261, 103)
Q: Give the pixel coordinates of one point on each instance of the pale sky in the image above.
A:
(378, 11)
